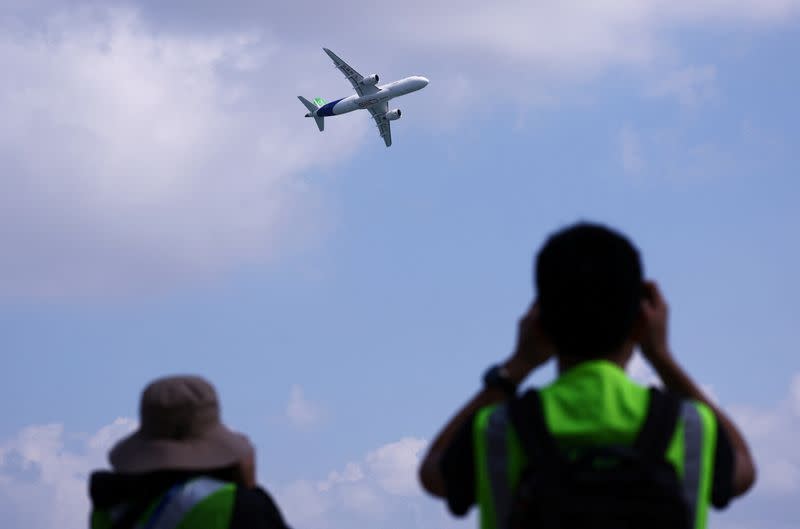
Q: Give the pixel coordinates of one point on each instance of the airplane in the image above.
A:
(368, 95)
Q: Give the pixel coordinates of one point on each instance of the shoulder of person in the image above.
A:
(254, 508)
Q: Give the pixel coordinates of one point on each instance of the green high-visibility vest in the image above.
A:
(200, 503)
(593, 403)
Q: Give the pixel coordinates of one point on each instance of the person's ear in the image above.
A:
(246, 470)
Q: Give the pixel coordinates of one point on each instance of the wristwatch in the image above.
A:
(497, 377)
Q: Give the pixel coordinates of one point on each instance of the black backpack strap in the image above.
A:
(527, 417)
(659, 424)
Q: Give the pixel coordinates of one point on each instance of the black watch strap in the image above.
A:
(497, 377)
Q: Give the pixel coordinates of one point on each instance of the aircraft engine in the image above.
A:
(371, 80)
(393, 114)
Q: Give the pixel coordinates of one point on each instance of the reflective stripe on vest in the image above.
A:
(497, 447)
(181, 502)
(692, 457)
(699, 442)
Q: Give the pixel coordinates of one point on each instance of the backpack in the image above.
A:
(601, 487)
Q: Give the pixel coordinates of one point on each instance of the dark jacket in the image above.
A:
(253, 508)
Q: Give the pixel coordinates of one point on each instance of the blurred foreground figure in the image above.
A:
(183, 469)
(593, 449)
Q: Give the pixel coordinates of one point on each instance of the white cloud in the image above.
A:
(302, 504)
(379, 488)
(690, 85)
(352, 472)
(300, 411)
(131, 158)
(39, 467)
(135, 155)
(363, 499)
(571, 37)
(394, 465)
(773, 435)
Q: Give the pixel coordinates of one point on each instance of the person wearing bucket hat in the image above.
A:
(182, 469)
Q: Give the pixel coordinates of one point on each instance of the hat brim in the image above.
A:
(218, 447)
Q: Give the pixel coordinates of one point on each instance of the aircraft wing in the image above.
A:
(384, 128)
(353, 76)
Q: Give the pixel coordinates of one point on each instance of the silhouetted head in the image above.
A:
(589, 283)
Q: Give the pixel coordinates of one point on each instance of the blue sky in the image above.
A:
(165, 208)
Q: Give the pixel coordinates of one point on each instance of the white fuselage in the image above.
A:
(385, 93)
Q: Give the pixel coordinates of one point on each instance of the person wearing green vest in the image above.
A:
(182, 469)
(510, 454)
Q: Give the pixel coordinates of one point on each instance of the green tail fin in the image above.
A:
(319, 101)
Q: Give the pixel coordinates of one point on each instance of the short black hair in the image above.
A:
(589, 283)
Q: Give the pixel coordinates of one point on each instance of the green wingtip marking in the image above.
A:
(319, 101)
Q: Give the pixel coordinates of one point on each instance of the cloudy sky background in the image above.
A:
(165, 208)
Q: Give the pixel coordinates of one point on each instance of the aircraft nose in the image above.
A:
(423, 80)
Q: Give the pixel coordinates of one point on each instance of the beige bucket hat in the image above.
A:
(179, 429)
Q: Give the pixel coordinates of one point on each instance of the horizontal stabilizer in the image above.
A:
(312, 111)
(309, 105)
